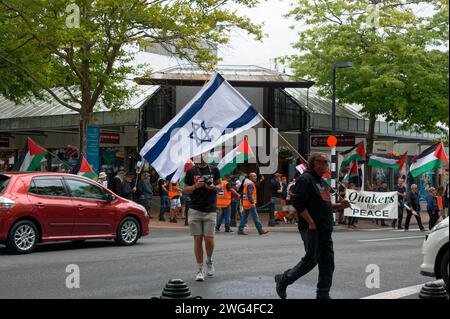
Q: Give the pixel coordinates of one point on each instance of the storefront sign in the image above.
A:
(4, 141)
(372, 204)
(93, 147)
(120, 154)
(109, 138)
(321, 141)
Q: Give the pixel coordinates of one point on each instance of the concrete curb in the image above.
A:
(271, 229)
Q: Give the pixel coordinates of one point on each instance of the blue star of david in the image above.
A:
(200, 133)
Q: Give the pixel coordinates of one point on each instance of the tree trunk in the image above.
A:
(85, 120)
(369, 151)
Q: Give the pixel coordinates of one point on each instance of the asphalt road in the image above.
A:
(245, 266)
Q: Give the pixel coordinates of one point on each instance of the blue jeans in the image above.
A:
(165, 206)
(244, 219)
(225, 215)
(235, 205)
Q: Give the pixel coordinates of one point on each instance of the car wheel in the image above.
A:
(444, 269)
(128, 232)
(23, 237)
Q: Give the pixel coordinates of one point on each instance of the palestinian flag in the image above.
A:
(433, 157)
(327, 177)
(31, 157)
(189, 164)
(356, 153)
(83, 168)
(385, 162)
(352, 172)
(237, 155)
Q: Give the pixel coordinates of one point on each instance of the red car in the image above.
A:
(40, 207)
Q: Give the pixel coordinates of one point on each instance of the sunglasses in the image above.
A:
(323, 161)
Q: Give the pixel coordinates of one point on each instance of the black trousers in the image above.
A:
(272, 212)
(434, 217)
(319, 251)
(408, 219)
(400, 218)
(235, 206)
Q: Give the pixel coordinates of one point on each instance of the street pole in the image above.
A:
(334, 157)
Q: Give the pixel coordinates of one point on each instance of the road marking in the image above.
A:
(376, 229)
(388, 229)
(386, 239)
(396, 294)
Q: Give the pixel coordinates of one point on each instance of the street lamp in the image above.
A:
(334, 159)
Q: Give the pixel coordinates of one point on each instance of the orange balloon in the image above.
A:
(331, 141)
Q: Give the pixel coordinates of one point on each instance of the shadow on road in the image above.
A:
(67, 245)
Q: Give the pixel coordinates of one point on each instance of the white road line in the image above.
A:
(376, 229)
(386, 239)
(387, 229)
(397, 294)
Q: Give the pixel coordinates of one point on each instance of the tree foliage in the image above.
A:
(399, 55)
(40, 49)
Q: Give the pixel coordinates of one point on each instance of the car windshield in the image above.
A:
(4, 180)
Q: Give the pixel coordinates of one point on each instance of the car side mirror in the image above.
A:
(109, 197)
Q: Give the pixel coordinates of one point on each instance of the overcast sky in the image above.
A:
(243, 49)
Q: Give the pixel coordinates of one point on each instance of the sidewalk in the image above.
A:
(363, 224)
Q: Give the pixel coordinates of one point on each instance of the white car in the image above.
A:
(435, 252)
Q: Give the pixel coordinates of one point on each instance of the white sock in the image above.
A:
(208, 260)
(200, 266)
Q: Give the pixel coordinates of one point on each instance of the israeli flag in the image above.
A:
(216, 113)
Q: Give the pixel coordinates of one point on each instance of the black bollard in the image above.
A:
(433, 290)
(176, 289)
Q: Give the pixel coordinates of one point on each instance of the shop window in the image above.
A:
(288, 114)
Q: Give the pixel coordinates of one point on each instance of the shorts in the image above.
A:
(175, 203)
(202, 224)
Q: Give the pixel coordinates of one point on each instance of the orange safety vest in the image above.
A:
(245, 202)
(172, 192)
(224, 196)
(440, 204)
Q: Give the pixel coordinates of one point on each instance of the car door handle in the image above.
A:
(80, 207)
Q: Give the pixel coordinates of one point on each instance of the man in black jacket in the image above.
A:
(312, 201)
(414, 207)
(126, 189)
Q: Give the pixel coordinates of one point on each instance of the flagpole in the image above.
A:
(289, 144)
(50, 153)
(59, 159)
(301, 157)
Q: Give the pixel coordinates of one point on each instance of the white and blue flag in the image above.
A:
(216, 113)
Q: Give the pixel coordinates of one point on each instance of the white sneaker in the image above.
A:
(200, 275)
(210, 269)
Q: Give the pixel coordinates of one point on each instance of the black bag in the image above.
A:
(241, 187)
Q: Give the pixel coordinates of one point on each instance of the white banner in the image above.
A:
(371, 204)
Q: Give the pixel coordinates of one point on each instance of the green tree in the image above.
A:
(83, 46)
(400, 57)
